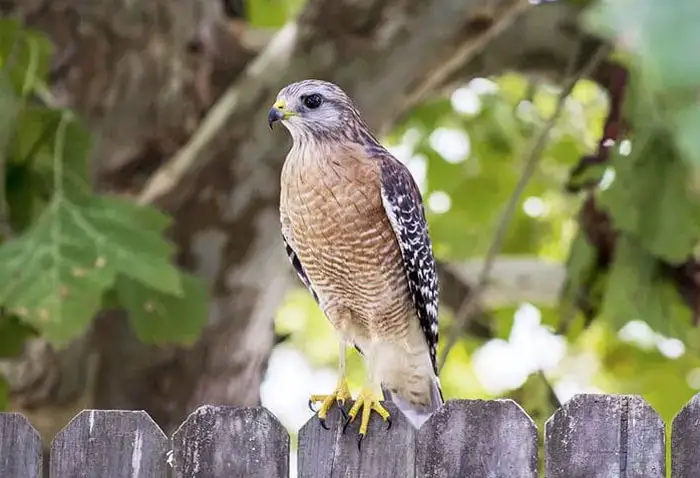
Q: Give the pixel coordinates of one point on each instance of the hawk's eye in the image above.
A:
(313, 101)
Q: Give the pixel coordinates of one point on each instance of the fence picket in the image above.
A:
(478, 438)
(20, 447)
(605, 436)
(231, 442)
(591, 436)
(332, 453)
(110, 443)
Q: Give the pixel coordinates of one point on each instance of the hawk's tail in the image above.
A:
(417, 415)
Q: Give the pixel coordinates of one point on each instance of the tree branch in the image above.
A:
(512, 280)
(465, 312)
(497, 25)
(438, 46)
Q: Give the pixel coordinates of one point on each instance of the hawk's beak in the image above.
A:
(278, 112)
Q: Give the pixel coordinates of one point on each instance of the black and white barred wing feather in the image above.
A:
(404, 207)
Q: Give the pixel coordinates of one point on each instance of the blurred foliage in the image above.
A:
(65, 251)
(467, 153)
(271, 13)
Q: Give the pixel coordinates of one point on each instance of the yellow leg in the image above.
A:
(339, 394)
(367, 401)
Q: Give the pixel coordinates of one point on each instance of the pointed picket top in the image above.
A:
(114, 443)
(685, 437)
(478, 438)
(605, 435)
(20, 447)
(231, 441)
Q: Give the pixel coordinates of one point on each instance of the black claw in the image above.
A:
(342, 410)
(347, 422)
(311, 407)
(359, 442)
(322, 421)
(388, 423)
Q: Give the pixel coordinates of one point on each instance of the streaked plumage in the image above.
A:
(355, 231)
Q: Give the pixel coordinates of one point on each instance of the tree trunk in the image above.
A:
(178, 105)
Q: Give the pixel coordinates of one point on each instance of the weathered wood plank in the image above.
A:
(334, 454)
(110, 443)
(231, 442)
(20, 448)
(478, 438)
(605, 436)
(685, 441)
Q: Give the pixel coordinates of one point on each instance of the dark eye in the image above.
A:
(313, 101)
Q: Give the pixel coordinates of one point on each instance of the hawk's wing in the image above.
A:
(404, 207)
(294, 259)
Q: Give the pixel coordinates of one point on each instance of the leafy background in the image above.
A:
(626, 321)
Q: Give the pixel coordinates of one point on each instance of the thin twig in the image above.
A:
(465, 311)
(470, 49)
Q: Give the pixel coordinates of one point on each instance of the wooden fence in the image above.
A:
(604, 436)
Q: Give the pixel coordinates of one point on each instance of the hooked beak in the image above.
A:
(278, 112)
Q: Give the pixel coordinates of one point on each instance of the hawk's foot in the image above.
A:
(339, 395)
(367, 401)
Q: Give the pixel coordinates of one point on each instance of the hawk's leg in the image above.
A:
(368, 400)
(339, 395)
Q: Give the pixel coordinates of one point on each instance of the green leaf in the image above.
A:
(10, 106)
(504, 317)
(586, 176)
(56, 145)
(637, 290)
(72, 145)
(25, 54)
(267, 13)
(651, 200)
(687, 131)
(660, 38)
(27, 195)
(580, 267)
(51, 279)
(55, 274)
(118, 231)
(36, 133)
(158, 317)
(512, 87)
(4, 395)
(13, 334)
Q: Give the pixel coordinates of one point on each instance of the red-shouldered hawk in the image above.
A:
(354, 227)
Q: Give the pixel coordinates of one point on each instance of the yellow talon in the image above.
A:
(339, 395)
(368, 401)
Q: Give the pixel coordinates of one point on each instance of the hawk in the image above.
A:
(354, 228)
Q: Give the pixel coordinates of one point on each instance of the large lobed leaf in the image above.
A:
(651, 200)
(72, 248)
(53, 276)
(661, 43)
(661, 38)
(637, 290)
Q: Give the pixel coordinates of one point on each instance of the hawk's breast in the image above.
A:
(333, 215)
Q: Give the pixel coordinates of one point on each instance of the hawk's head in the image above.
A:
(315, 109)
